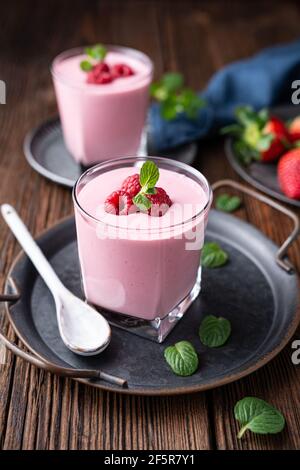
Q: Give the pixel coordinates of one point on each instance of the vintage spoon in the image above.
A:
(83, 330)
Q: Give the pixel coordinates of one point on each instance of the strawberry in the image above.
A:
(259, 137)
(294, 129)
(288, 173)
(276, 128)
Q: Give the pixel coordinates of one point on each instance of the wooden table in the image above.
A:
(42, 411)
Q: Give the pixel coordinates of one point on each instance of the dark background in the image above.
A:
(39, 410)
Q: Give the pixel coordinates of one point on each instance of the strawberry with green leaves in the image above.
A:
(258, 136)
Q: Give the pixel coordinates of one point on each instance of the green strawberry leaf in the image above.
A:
(263, 116)
(214, 331)
(227, 203)
(212, 255)
(245, 153)
(265, 141)
(182, 358)
(232, 129)
(258, 416)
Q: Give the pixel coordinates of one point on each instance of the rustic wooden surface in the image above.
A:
(39, 410)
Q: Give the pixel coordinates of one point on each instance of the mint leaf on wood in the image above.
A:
(258, 416)
(227, 203)
(182, 358)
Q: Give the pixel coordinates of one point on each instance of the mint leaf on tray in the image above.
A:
(214, 331)
(212, 255)
(182, 358)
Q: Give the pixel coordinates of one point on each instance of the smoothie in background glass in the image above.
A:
(136, 264)
(102, 121)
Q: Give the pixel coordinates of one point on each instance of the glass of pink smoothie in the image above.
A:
(102, 121)
(143, 272)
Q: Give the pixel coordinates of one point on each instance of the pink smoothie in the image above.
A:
(101, 122)
(140, 265)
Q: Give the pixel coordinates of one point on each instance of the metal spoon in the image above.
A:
(83, 330)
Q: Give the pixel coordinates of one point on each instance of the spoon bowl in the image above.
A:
(83, 330)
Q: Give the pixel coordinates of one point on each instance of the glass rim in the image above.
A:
(139, 55)
(123, 160)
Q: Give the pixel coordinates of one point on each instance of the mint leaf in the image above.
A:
(142, 202)
(258, 416)
(227, 203)
(158, 92)
(212, 255)
(169, 109)
(149, 175)
(174, 98)
(97, 52)
(150, 191)
(172, 81)
(182, 358)
(214, 331)
(190, 102)
(86, 66)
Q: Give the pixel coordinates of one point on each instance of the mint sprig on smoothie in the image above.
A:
(149, 176)
(175, 98)
(95, 54)
(139, 193)
(99, 71)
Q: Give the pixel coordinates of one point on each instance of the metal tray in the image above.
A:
(263, 176)
(257, 291)
(46, 153)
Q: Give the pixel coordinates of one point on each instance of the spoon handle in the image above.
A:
(31, 248)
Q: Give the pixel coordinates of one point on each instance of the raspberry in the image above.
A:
(132, 185)
(121, 70)
(100, 74)
(160, 202)
(119, 203)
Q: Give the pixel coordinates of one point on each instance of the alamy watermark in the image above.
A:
(2, 92)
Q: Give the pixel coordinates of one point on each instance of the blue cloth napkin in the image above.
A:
(261, 81)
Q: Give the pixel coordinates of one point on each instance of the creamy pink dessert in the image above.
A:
(102, 121)
(136, 264)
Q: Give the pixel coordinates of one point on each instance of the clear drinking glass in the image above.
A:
(102, 122)
(143, 279)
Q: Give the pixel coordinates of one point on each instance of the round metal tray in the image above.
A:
(46, 153)
(257, 291)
